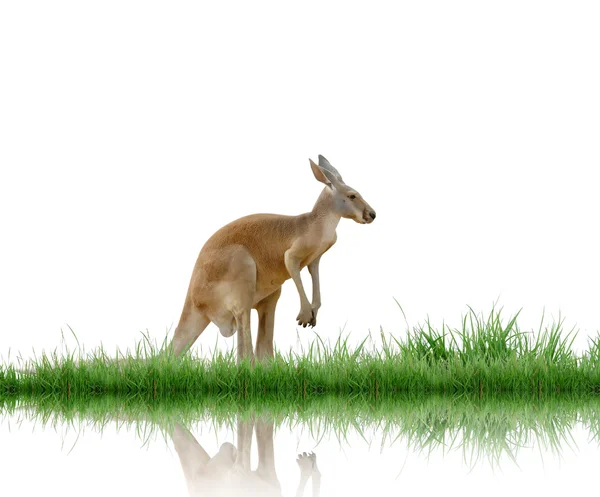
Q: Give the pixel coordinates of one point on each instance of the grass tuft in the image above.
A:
(487, 355)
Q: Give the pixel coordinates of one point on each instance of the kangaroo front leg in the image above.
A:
(313, 269)
(292, 264)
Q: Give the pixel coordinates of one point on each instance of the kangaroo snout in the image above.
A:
(368, 216)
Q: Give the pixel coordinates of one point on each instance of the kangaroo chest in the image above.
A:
(321, 243)
(328, 234)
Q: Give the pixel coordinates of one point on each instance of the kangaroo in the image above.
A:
(228, 473)
(243, 265)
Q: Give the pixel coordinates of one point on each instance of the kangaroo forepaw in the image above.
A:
(306, 317)
(307, 462)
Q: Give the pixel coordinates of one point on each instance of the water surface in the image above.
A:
(426, 446)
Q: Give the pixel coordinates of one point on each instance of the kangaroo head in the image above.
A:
(347, 202)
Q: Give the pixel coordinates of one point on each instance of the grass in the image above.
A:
(486, 355)
(488, 428)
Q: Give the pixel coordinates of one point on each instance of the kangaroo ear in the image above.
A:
(324, 164)
(323, 175)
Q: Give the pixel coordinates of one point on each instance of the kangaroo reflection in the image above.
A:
(228, 472)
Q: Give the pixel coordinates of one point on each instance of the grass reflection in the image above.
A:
(488, 428)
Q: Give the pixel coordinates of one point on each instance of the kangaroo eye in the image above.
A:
(351, 197)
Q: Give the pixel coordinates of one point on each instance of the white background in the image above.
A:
(131, 131)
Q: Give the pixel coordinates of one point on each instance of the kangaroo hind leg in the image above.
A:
(237, 292)
(266, 325)
(244, 344)
(266, 452)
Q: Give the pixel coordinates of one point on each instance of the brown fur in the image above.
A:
(243, 265)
